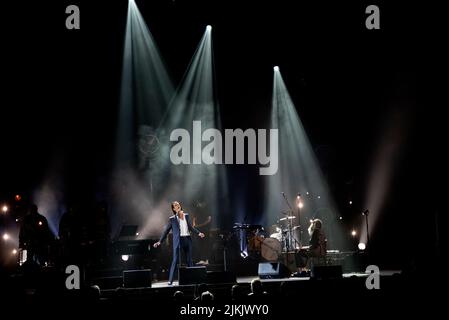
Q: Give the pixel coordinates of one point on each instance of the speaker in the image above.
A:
(192, 275)
(327, 272)
(272, 270)
(137, 278)
(221, 277)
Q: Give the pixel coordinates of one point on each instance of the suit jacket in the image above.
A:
(173, 224)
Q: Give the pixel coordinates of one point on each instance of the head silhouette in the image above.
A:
(33, 209)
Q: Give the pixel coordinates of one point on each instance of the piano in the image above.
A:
(127, 244)
(132, 247)
(247, 226)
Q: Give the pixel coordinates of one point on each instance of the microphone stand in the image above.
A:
(224, 252)
(299, 220)
(179, 249)
(289, 224)
(368, 248)
(179, 258)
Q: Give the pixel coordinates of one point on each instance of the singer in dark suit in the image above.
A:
(181, 227)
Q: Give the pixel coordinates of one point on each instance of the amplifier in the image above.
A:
(137, 278)
(192, 275)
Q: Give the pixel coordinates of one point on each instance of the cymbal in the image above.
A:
(290, 217)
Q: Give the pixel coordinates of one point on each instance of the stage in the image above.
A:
(247, 280)
(288, 286)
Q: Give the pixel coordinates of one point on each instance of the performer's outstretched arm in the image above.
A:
(164, 235)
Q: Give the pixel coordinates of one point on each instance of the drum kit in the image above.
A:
(282, 238)
(286, 234)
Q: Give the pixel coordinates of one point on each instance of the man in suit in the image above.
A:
(181, 227)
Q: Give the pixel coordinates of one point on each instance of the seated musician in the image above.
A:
(317, 247)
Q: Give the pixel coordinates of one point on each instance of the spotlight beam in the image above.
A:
(298, 168)
(195, 100)
(146, 90)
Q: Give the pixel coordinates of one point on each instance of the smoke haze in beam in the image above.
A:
(49, 198)
(194, 100)
(298, 172)
(146, 90)
(387, 156)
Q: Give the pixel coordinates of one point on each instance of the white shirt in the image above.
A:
(183, 227)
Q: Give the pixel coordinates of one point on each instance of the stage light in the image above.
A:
(276, 68)
(209, 28)
(5, 208)
(361, 246)
(125, 257)
(5, 236)
(17, 220)
(137, 234)
(341, 218)
(18, 197)
(40, 223)
(353, 233)
(319, 197)
(350, 202)
(14, 251)
(300, 205)
(307, 193)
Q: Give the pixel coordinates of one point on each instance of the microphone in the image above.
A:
(365, 213)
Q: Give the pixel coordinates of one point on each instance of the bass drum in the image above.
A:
(254, 243)
(271, 249)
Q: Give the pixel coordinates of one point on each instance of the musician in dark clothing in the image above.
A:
(318, 241)
(35, 236)
(70, 235)
(101, 233)
(317, 245)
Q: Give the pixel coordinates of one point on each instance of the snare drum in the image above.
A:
(277, 236)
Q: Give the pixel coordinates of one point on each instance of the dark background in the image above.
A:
(60, 89)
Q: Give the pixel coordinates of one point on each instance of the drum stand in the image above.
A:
(225, 248)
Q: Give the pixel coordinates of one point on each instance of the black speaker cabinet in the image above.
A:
(327, 272)
(192, 275)
(272, 270)
(137, 278)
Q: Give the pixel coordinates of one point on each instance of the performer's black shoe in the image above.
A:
(170, 283)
